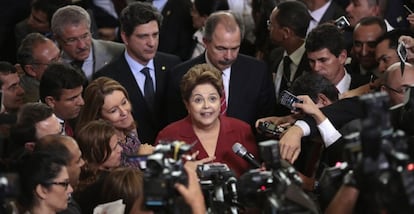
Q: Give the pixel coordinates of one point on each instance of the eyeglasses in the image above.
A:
(65, 184)
(403, 89)
(74, 40)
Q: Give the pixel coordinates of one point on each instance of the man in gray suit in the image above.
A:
(71, 29)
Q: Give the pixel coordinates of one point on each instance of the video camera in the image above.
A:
(218, 183)
(379, 159)
(164, 168)
(277, 190)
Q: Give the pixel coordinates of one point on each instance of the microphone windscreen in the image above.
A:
(239, 149)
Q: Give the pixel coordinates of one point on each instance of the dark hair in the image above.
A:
(37, 169)
(49, 7)
(94, 142)
(54, 144)
(312, 84)
(327, 36)
(58, 76)
(25, 51)
(372, 20)
(25, 128)
(393, 37)
(230, 21)
(206, 7)
(5, 69)
(294, 15)
(200, 74)
(138, 13)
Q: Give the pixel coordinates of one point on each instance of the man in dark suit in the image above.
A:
(326, 51)
(248, 88)
(323, 11)
(176, 31)
(141, 69)
(287, 26)
(365, 36)
(71, 29)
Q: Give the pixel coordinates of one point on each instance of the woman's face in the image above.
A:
(58, 194)
(114, 159)
(204, 105)
(117, 110)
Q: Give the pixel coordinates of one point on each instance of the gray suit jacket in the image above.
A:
(105, 51)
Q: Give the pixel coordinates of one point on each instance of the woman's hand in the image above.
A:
(145, 149)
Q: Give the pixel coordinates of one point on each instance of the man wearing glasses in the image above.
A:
(35, 53)
(71, 29)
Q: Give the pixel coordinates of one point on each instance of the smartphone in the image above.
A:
(287, 99)
(402, 52)
(342, 22)
(408, 9)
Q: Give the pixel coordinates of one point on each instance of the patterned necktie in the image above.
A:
(285, 83)
(149, 92)
(223, 106)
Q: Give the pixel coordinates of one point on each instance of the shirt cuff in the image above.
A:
(328, 132)
(304, 126)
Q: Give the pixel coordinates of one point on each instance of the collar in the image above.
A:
(318, 13)
(297, 55)
(136, 66)
(344, 84)
(187, 131)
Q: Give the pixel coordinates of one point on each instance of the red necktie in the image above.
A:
(223, 107)
(68, 129)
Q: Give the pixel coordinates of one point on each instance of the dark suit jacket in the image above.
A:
(277, 55)
(149, 121)
(333, 12)
(339, 113)
(251, 91)
(231, 131)
(176, 31)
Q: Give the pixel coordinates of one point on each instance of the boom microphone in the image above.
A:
(241, 151)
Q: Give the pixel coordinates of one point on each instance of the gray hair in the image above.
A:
(69, 15)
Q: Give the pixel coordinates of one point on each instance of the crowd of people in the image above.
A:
(87, 84)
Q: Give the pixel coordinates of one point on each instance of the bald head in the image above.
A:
(396, 83)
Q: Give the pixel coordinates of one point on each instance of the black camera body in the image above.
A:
(218, 183)
(161, 173)
(272, 129)
(276, 190)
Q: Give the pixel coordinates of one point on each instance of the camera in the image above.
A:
(276, 190)
(380, 161)
(341, 23)
(270, 128)
(287, 99)
(218, 183)
(164, 168)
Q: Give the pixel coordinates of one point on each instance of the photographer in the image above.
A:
(346, 110)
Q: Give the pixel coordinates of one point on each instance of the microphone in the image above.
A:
(241, 151)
